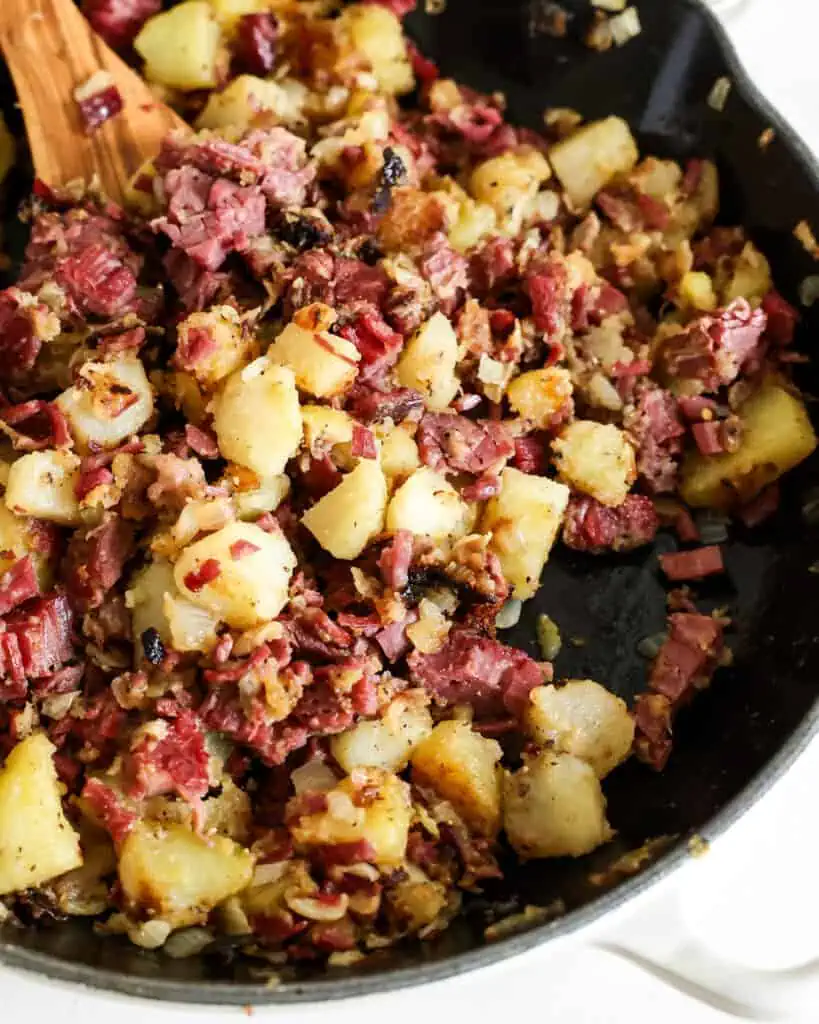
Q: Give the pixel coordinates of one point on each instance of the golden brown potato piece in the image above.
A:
(777, 436)
(461, 765)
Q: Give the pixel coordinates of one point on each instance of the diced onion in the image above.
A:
(149, 934)
(548, 637)
(649, 646)
(264, 874)
(492, 371)
(809, 290)
(509, 615)
(720, 91)
(192, 628)
(603, 393)
(625, 26)
(314, 776)
(803, 233)
(97, 83)
(188, 942)
(202, 517)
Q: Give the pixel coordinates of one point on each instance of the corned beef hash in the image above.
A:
(288, 441)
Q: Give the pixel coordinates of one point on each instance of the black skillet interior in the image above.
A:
(759, 710)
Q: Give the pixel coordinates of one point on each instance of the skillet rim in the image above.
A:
(215, 994)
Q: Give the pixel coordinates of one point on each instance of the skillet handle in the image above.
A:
(659, 942)
(734, 928)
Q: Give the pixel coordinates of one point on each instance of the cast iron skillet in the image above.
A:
(740, 735)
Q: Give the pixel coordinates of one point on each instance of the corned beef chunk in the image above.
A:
(475, 670)
(591, 526)
(449, 443)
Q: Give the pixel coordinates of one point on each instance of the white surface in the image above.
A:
(754, 899)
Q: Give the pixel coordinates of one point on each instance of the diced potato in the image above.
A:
(41, 484)
(254, 570)
(377, 33)
(171, 873)
(257, 417)
(428, 362)
(323, 364)
(523, 520)
(20, 536)
(606, 345)
(325, 427)
(592, 156)
(364, 130)
(506, 183)
(228, 12)
(538, 395)
(346, 520)
(748, 277)
(247, 98)
(384, 822)
(399, 452)
(385, 742)
(596, 458)
(229, 813)
(232, 345)
(553, 807)
(429, 632)
(777, 435)
(145, 598)
(584, 719)
(428, 505)
(659, 179)
(697, 291)
(462, 767)
(37, 842)
(109, 403)
(696, 211)
(473, 223)
(180, 47)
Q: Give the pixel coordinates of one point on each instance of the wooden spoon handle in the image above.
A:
(51, 50)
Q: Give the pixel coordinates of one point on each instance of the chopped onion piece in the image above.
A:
(720, 91)
(313, 777)
(99, 100)
(809, 290)
(804, 234)
(625, 26)
(188, 942)
(192, 628)
(509, 615)
(649, 646)
(548, 637)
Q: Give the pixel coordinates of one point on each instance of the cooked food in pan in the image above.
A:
(287, 443)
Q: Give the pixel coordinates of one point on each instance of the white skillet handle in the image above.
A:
(657, 940)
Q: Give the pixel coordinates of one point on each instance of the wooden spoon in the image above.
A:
(51, 50)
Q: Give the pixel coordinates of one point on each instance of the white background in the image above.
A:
(754, 899)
